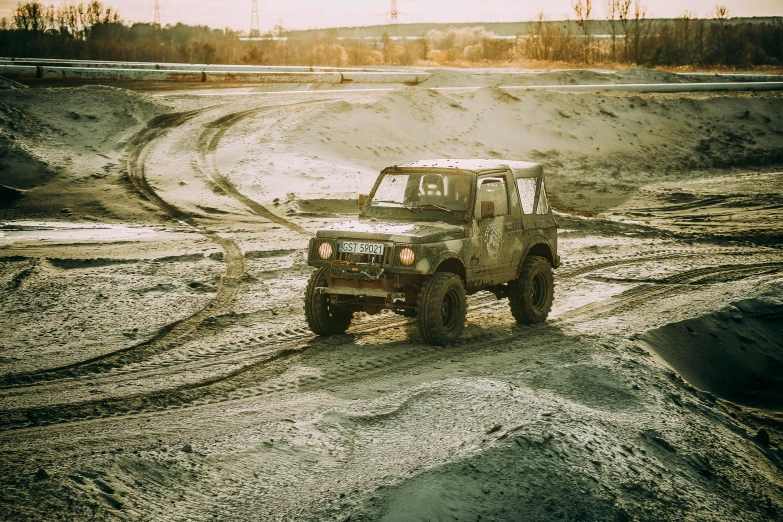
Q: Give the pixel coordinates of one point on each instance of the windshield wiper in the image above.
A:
(431, 205)
(397, 203)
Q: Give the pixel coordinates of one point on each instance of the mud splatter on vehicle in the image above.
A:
(430, 233)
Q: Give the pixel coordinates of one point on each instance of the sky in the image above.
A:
(308, 14)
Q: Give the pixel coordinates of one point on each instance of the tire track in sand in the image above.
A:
(208, 143)
(168, 336)
(257, 378)
(363, 325)
(298, 333)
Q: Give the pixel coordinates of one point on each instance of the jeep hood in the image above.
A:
(399, 232)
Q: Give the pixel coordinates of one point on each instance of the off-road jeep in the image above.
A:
(430, 233)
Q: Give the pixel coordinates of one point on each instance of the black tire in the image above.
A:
(531, 294)
(323, 317)
(441, 309)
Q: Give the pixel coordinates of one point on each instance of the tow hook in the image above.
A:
(373, 277)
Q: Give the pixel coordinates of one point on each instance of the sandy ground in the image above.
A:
(155, 363)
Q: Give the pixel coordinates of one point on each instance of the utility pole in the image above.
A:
(255, 25)
(393, 13)
(157, 12)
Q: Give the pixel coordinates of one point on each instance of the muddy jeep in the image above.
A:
(429, 234)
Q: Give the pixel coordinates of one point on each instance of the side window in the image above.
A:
(494, 190)
(543, 202)
(527, 193)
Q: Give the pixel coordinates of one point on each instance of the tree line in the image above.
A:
(624, 35)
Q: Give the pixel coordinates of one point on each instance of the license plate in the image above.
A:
(351, 247)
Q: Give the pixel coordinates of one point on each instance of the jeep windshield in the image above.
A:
(425, 195)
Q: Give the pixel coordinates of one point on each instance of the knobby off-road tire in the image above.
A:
(441, 309)
(323, 318)
(531, 294)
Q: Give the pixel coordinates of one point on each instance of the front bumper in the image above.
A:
(369, 268)
(360, 292)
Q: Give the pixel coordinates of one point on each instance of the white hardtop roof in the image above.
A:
(477, 165)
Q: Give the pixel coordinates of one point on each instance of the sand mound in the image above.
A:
(68, 141)
(19, 170)
(517, 481)
(639, 75)
(735, 353)
(449, 78)
(607, 143)
(571, 77)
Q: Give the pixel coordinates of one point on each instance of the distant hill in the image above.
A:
(499, 28)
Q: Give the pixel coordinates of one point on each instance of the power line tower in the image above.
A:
(157, 12)
(393, 12)
(255, 25)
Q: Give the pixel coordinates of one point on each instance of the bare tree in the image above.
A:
(583, 10)
(638, 29)
(684, 35)
(87, 30)
(623, 11)
(30, 17)
(548, 41)
(720, 34)
(611, 10)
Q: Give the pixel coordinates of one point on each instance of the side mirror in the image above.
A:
(363, 199)
(487, 209)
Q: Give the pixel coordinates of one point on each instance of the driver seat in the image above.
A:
(432, 190)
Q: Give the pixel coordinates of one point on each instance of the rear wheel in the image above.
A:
(441, 309)
(323, 317)
(531, 294)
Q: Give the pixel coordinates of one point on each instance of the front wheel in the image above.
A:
(532, 293)
(441, 309)
(323, 317)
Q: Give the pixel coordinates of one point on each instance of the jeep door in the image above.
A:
(493, 238)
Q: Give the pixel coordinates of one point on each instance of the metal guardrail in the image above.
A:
(656, 87)
(192, 74)
(32, 68)
(641, 88)
(93, 64)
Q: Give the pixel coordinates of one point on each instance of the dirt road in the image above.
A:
(156, 365)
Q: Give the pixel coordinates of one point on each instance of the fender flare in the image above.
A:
(534, 242)
(443, 256)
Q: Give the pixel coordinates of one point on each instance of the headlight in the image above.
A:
(407, 257)
(325, 250)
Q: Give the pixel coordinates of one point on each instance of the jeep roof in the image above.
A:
(520, 169)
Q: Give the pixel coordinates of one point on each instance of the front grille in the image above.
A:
(361, 258)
